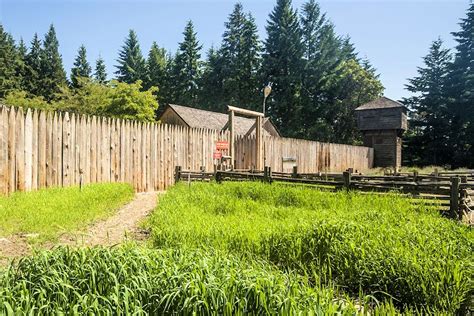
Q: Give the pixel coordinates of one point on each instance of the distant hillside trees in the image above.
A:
(442, 103)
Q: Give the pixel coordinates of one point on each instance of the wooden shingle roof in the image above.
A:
(380, 103)
(198, 118)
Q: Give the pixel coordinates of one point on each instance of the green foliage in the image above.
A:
(81, 68)
(131, 64)
(20, 98)
(52, 75)
(127, 280)
(50, 212)
(156, 71)
(382, 246)
(282, 64)
(100, 73)
(8, 61)
(428, 142)
(187, 68)
(32, 82)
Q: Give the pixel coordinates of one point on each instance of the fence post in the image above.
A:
(347, 180)
(295, 172)
(177, 174)
(267, 174)
(454, 200)
(219, 176)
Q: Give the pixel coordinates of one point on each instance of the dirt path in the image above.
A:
(123, 225)
(118, 228)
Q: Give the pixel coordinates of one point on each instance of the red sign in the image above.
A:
(222, 145)
(217, 155)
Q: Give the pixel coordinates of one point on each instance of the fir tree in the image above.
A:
(429, 122)
(282, 65)
(9, 79)
(21, 66)
(81, 68)
(241, 60)
(212, 91)
(187, 68)
(33, 62)
(460, 90)
(131, 64)
(52, 76)
(100, 73)
(156, 67)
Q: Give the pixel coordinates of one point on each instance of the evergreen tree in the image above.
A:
(131, 64)
(81, 68)
(187, 68)
(21, 66)
(9, 79)
(33, 63)
(212, 92)
(241, 60)
(460, 91)
(52, 76)
(428, 144)
(156, 67)
(282, 65)
(100, 73)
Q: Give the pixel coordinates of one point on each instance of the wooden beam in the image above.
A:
(232, 136)
(244, 112)
(259, 143)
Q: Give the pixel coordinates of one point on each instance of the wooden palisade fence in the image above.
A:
(453, 194)
(42, 149)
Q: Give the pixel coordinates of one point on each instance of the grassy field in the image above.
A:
(52, 211)
(255, 248)
(380, 246)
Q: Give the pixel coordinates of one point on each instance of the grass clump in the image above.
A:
(49, 212)
(130, 280)
(379, 245)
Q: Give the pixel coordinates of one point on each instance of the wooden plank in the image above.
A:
(66, 149)
(28, 150)
(3, 150)
(11, 151)
(20, 150)
(35, 151)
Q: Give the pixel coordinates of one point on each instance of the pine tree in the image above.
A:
(131, 64)
(429, 121)
(241, 60)
(187, 68)
(33, 62)
(21, 66)
(100, 73)
(282, 65)
(9, 79)
(52, 76)
(156, 67)
(212, 92)
(460, 90)
(82, 68)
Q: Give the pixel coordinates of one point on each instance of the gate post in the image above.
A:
(454, 200)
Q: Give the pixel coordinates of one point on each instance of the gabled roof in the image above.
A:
(198, 118)
(380, 103)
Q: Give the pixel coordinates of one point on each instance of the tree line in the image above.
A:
(442, 103)
(317, 77)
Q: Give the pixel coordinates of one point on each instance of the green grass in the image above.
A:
(130, 280)
(378, 245)
(50, 212)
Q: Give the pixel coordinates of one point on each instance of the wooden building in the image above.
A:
(197, 118)
(382, 123)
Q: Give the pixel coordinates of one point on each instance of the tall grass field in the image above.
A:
(255, 248)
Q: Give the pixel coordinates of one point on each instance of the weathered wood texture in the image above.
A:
(43, 149)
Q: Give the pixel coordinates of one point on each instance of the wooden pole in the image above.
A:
(347, 180)
(177, 174)
(231, 142)
(259, 143)
(295, 172)
(454, 200)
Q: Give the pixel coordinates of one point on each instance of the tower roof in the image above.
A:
(380, 103)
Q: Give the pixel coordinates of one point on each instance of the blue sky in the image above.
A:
(394, 35)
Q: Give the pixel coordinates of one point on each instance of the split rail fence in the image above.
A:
(43, 149)
(452, 193)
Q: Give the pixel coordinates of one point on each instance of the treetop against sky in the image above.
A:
(393, 35)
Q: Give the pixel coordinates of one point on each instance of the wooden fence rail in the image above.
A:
(449, 194)
(42, 149)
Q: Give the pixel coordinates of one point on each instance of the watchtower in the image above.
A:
(382, 123)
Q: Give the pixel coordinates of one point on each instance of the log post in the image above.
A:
(177, 174)
(295, 172)
(347, 180)
(267, 174)
(454, 200)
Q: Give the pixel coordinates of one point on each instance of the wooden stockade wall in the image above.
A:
(42, 149)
